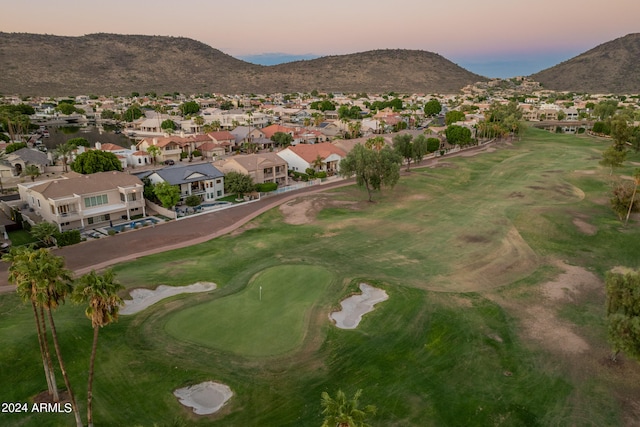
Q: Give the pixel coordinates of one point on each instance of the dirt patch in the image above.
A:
(475, 239)
(304, 210)
(585, 172)
(541, 324)
(571, 282)
(585, 227)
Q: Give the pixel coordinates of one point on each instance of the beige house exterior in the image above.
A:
(85, 201)
(265, 167)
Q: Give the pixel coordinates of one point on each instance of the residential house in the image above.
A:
(303, 156)
(24, 157)
(264, 167)
(246, 134)
(77, 201)
(222, 139)
(170, 147)
(203, 180)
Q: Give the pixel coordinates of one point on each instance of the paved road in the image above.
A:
(101, 253)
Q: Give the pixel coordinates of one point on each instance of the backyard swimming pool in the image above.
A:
(138, 223)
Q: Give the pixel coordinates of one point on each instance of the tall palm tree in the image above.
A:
(101, 293)
(64, 151)
(375, 143)
(341, 412)
(53, 285)
(19, 274)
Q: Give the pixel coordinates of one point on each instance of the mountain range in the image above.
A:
(112, 64)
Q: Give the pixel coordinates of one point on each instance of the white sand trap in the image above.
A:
(143, 298)
(356, 306)
(205, 398)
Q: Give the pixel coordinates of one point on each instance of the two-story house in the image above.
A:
(78, 201)
(265, 167)
(203, 180)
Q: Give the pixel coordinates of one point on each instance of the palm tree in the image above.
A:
(101, 293)
(375, 143)
(340, 412)
(19, 258)
(45, 232)
(64, 151)
(53, 284)
(317, 163)
(32, 171)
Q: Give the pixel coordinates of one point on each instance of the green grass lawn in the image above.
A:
(269, 317)
(21, 237)
(460, 249)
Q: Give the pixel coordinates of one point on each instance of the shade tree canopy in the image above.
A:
(372, 169)
(96, 161)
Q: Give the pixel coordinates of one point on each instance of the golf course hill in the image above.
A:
(113, 64)
(611, 67)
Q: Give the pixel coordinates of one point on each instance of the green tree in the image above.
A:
(433, 145)
(453, 116)
(77, 142)
(623, 313)
(620, 133)
(45, 232)
(238, 183)
(67, 109)
(169, 195)
(419, 148)
(193, 201)
(403, 145)
(154, 152)
(458, 135)
(636, 182)
(96, 161)
(189, 108)
(605, 109)
(14, 146)
(32, 171)
(100, 293)
(432, 107)
(168, 124)
(613, 158)
(282, 139)
(372, 169)
(343, 412)
(132, 113)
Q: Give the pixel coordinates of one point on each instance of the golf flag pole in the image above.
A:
(260, 293)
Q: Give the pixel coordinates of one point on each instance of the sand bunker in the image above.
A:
(354, 307)
(143, 298)
(205, 398)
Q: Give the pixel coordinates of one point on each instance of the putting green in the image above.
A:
(268, 317)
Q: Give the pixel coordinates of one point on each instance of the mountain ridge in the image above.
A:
(103, 63)
(610, 67)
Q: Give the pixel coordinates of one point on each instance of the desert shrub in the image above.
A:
(266, 187)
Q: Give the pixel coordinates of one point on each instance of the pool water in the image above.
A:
(138, 223)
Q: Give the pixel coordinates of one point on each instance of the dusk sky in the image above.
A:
(495, 38)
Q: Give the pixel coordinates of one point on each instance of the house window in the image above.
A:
(218, 181)
(219, 193)
(92, 201)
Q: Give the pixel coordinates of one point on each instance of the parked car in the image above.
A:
(169, 162)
